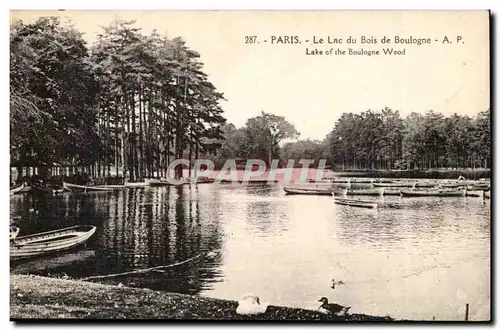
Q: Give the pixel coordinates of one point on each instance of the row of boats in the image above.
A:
(50, 242)
(404, 189)
(70, 187)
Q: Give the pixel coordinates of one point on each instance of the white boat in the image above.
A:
(392, 191)
(394, 184)
(137, 184)
(370, 191)
(85, 188)
(356, 203)
(50, 242)
(308, 190)
(433, 193)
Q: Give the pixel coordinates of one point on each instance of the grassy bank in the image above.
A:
(43, 297)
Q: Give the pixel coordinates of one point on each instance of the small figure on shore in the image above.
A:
(335, 283)
(332, 308)
(249, 304)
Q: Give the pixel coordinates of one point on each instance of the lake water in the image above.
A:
(423, 257)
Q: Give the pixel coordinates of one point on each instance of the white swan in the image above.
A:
(249, 304)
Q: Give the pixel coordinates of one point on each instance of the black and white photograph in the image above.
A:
(255, 165)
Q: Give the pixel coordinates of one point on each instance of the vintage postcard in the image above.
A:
(250, 165)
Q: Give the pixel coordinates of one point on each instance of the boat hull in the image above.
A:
(372, 192)
(307, 191)
(433, 193)
(84, 188)
(356, 203)
(50, 242)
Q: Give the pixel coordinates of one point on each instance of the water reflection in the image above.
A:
(284, 248)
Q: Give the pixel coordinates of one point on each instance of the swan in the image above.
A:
(332, 308)
(249, 304)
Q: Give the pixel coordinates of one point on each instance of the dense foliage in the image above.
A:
(130, 101)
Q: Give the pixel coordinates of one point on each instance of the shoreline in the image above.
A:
(39, 297)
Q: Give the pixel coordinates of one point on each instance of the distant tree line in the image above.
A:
(129, 101)
(385, 140)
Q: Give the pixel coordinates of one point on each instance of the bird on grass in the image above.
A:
(249, 304)
(332, 308)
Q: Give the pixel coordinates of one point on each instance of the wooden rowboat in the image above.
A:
(23, 188)
(50, 242)
(376, 192)
(356, 203)
(14, 231)
(308, 190)
(392, 191)
(394, 184)
(433, 193)
(84, 188)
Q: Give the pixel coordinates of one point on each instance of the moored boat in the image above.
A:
(23, 188)
(308, 190)
(394, 184)
(426, 184)
(392, 191)
(14, 231)
(433, 193)
(50, 242)
(202, 180)
(356, 203)
(135, 184)
(84, 188)
(370, 191)
(475, 194)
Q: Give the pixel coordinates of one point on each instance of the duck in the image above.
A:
(332, 308)
(335, 283)
(249, 304)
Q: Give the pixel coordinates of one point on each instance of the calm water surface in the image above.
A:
(417, 258)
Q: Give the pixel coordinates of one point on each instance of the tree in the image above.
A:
(266, 132)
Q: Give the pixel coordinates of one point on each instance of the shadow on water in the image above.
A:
(137, 229)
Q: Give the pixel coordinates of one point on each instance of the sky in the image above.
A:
(312, 91)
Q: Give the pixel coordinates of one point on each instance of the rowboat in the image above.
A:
(137, 184)
(475, 194)
(50, 242)
(394, 184)
(23, 188)
(454, 184)
(308, 190)
(156, 182)
(487, 194)
(164, 182)
(202, 180)
(433, 193)
(370, 191)
(85, 188)
(14, 231)
(57, 190)
(426, 184)
(362, 180)
(356, 203)
(392, 191)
